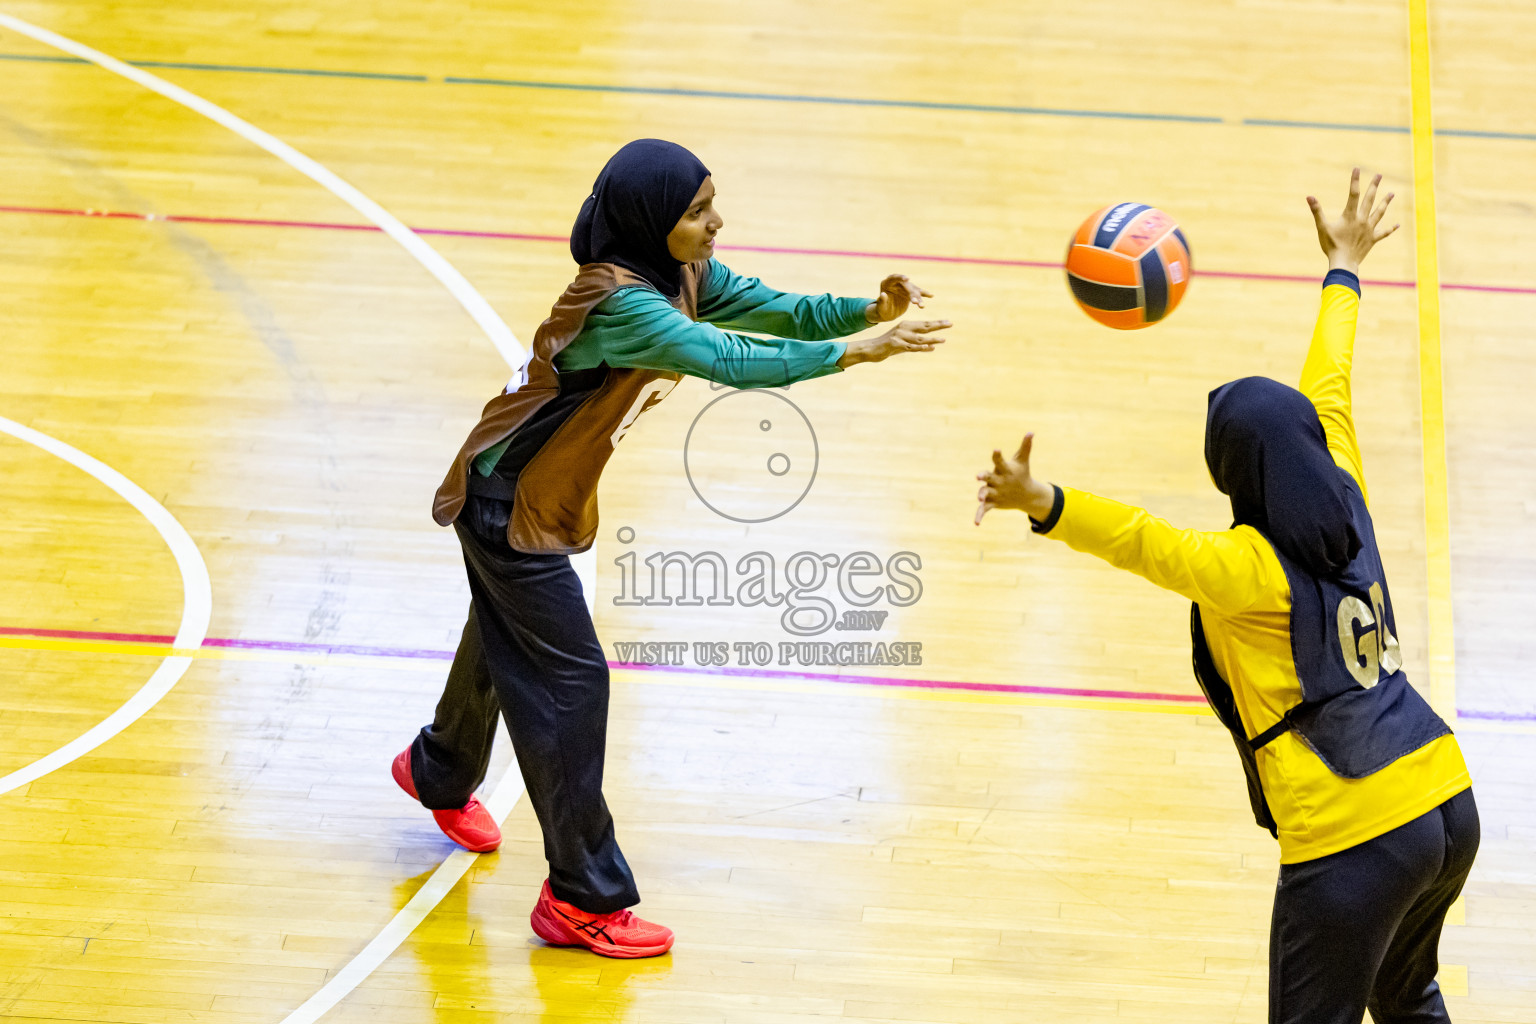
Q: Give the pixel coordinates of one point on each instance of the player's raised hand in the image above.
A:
(896, 292)
(907, 336)
(1348, 237)
(1009, 484)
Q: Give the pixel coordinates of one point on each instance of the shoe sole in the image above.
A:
(556, 934)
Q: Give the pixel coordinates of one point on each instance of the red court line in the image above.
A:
(926, 684)
(231, 642)
(751, 673)
(984, 261)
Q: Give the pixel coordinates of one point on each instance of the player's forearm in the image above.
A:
(746, 304)
(1330, 357)
(1325, 377)
(1218, 569)
(766, 362)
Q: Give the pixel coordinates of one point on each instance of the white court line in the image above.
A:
(412, 914)
(509, 787)
(500, 334)
(473, 302)
(196, 606)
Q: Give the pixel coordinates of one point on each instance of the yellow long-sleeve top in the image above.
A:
(1245, 605)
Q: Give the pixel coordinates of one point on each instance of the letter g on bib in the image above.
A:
(1373, 648)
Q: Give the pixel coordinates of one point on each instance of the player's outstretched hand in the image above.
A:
(1348, 237)
(896, 292)
(1008, 484)
(907, 336)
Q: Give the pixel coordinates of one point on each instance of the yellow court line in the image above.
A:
(1437, 511)
(1437, 486)
(1453, 979)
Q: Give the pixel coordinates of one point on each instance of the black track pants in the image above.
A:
(529, 652)
(1360, 928)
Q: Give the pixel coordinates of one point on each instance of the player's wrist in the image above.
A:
(1039, 499)
(854, 352)
(872, 314)
(1344, 261)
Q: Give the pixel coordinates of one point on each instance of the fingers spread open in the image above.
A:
(1370, 194)
(1317, 211)
(1353, 203)
(1381, 210)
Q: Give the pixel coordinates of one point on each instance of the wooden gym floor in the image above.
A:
(1036, 823)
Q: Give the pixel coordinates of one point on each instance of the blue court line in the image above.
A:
(772, 97)
(852, 101)
(247, 68)
(278, 71)
(1271, 123)
(1462, 133)
(1468, 133)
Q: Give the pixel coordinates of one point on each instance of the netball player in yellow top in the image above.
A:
(1295, 646)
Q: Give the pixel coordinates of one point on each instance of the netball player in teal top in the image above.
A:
(649, 304)
(638, 327)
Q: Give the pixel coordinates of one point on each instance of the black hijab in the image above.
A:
(642, 192)
(1267, 451)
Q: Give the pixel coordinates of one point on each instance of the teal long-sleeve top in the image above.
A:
(638, 327)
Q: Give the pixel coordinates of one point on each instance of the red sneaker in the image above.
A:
(401, 770)
(620, 934)
(471, 826)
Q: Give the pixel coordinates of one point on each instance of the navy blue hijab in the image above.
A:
(1266, 450)
(641, 193)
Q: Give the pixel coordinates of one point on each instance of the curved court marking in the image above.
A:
(412, 914)
(473, 302)
(197, 606)
(509, 787)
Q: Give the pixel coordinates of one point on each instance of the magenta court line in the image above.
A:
(923, 684)
(748, 673)
(230, 642)
(431, 655)
(983, 261)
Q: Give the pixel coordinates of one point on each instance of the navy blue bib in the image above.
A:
(1358, 712)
